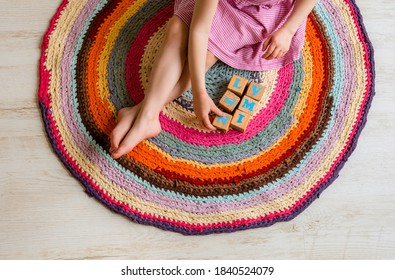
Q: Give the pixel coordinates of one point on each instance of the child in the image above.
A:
(245, 34)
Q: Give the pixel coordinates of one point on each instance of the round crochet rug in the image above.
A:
(96, 59)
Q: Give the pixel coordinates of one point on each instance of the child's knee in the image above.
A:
(177, 29)
(176, 24)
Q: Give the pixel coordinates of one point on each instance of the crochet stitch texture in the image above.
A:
(96, 59)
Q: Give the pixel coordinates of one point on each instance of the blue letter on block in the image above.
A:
(240, 119)
(255, 89)
(236, 83)
(249, 106)
(224, 120)
(230, 101)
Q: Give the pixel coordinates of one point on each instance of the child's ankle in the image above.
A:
(149, 114)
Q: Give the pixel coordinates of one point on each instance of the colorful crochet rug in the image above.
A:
(96, 59)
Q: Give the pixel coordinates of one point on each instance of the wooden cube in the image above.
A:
(255, 91)
(248, 105)
(222, 123)
(237, 84)
(229, 101)
(240, 120)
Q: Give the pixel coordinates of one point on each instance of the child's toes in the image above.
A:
(117, 153)
(117, 135)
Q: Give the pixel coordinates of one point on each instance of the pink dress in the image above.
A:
(241, 26)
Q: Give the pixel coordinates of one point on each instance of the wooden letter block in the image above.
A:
(222, 123)
(248, 105)
(255, 91)
(237, 84)
(229, 101)
(240, 120)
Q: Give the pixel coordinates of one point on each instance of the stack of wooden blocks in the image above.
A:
(250, 95)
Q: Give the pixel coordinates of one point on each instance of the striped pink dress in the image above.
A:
(241, 26)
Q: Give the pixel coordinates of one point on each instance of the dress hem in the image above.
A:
(218, 53)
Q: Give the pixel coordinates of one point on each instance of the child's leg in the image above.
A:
(170, 56)
(129, 119)
(167, 68)
(169, 79)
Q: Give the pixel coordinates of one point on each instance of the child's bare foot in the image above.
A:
(144, 127)
(126, 118)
